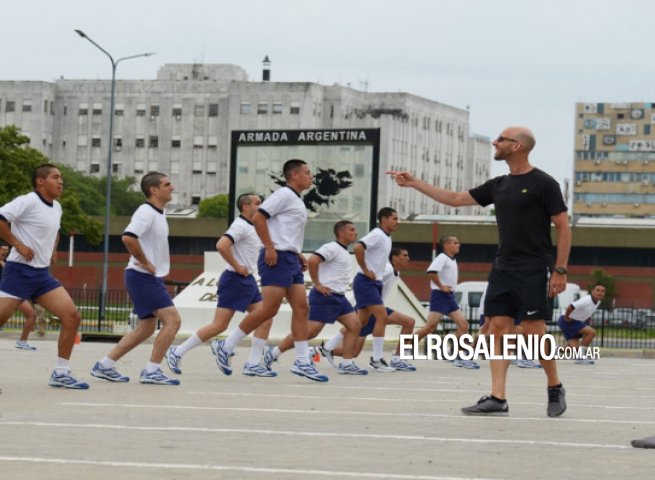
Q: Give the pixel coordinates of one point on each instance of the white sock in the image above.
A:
(233, 340)
(62, 365)
(256, 350)
(346, 361)
(107, 362)
(335, 341)
(302, 354)
(378, 346)
(152, 367)
(191, 342)
(277, 352)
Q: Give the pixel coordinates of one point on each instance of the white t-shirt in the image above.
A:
(287, 217)
(389, 280)
(446, 267)
(245, 243)
(150, 227)
(378, 247)
(335, 271)
(584, 308)
(35, 223)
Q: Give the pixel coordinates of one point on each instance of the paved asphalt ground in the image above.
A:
(384, 426)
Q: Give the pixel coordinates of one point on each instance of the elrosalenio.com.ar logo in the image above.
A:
(512, 347)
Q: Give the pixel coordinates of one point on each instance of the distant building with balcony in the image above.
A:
(614, 160)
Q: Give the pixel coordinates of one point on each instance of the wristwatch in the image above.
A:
(560, 270)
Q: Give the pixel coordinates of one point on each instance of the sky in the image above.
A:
(510, 62)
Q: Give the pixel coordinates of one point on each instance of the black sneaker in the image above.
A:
(488, 406)
(556, 401)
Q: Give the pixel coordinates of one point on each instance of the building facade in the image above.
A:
(180, 123)
(614, 160)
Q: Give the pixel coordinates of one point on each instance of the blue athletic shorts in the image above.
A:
(326, 309)
(370, 325)
(26, 282)
(286, 272)
(570, 329)
(147, 292)
(367, 292)
(442, 302)
(236, 292)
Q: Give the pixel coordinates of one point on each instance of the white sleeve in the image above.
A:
(15, 209)
(326, 252)
(371, 239)
(141, 221)
(274, 204)
(235, 232)
(581, 302)
(437, 265)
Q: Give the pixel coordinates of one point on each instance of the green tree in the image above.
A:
(17, 162)
(599, 276)
(216, 206)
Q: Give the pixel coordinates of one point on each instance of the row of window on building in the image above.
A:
(26, 106)
(613, 198)
(153, 141)
(139, 167)
(614, 177)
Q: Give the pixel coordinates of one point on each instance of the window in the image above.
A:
(95, 168)
(81, 141)
(27, 105)
(65, 110)
(277, 107)
(177, 111)
(95, 141)
(140, 142)
(246, 108)
(195, 200)
(211, 167)
(154, 141)
(198, 141)
(138, 167)
(118, 144)
(97, 109)
(212, 141)
(45, 106)
(154, 110)
(199, 111)
(141, 110)
(262, 108)
(119, 110)
(294, 109)
(213, 110)
(116, 168)
(176, 141)
(196, 167)
(83, 109)
(11, 106)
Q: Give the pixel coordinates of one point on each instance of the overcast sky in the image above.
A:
(509, 61)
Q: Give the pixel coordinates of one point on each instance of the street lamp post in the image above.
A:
(105, 257)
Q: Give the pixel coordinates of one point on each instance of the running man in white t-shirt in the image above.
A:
(443, 275)
(280, 224)
(146, 239)
(330, 268)
(575, 322)
(372, 255)
(34, 233)
(237, 290)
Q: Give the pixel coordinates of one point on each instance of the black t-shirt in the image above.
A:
(524, 204)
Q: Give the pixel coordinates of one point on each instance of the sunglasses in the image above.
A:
(502, 139)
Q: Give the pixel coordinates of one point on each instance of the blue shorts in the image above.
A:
(442, 302)
(570, 329)
(286, 272)
(147, 292)
(367, 292)
(326, 309)
(370, 325)
(236, 292)
(26, 282)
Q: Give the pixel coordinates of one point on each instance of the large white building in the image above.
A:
(180, 123)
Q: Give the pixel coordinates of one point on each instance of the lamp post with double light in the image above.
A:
(105, 258)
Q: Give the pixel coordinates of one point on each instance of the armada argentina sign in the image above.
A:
(304, 136)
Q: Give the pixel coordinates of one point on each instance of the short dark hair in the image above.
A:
(385, 212)
(42, 171)
(340, 226)
(444, 240)
(598, 284)
(292, 165)
(149, 180)
(396, 251)
(244, 199)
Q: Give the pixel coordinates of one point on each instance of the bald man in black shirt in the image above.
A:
(525, 273)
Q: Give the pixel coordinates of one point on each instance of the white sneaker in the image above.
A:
(380, 365)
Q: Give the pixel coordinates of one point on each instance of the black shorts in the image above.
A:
(517, 292)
